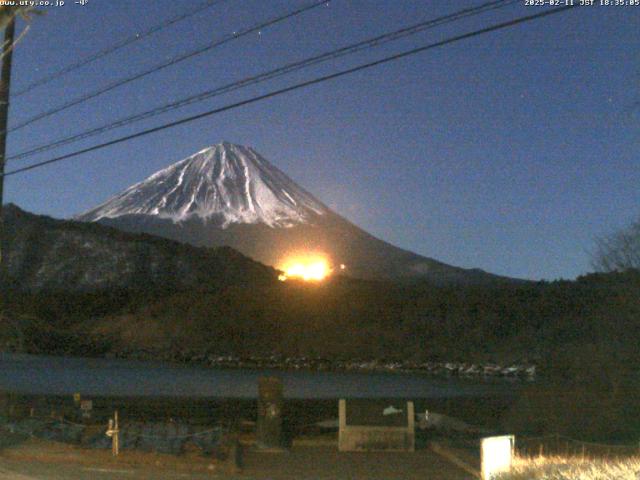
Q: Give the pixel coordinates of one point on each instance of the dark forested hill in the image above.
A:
(44, 254)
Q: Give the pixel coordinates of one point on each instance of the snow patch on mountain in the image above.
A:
(225, 183)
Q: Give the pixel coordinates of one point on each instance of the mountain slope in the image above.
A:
(47, 254)
(224, 184)
(230, 195)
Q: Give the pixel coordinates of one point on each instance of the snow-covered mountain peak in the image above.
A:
(225, 183)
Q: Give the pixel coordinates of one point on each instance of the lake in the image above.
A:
(48, 375)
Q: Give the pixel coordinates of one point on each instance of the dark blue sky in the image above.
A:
(509, 152)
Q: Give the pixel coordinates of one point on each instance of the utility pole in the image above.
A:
(5, 83)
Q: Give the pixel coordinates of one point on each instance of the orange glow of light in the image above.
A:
(311, 268)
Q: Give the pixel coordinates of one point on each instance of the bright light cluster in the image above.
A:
(310, 268)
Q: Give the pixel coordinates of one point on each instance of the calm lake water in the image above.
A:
(45, 375)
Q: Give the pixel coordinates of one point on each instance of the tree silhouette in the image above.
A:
(619, 251)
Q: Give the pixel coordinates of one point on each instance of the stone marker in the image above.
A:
(376, 425)
(269, 424)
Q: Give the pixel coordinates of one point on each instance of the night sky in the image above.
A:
(510, 152)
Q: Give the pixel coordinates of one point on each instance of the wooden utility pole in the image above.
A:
(5, 83)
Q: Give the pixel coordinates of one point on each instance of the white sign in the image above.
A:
(497, 455)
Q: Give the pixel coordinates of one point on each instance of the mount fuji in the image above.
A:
(230, 195)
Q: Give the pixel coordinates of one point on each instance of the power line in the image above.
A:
(297, 86)
(278, 72)
(173, 61)
(116, 46)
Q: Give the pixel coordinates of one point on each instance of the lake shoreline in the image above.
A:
(518, 371)
(41, 374)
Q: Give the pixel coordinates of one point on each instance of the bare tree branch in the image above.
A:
(619, 251)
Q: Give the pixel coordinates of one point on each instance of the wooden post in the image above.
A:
(541, 450)
(113, 432)
(116, 436)
(342, 421)
(411, 427)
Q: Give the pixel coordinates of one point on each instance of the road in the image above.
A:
(314, 463)
(12, 470)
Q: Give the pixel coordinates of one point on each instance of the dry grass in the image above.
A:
(574, 468)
